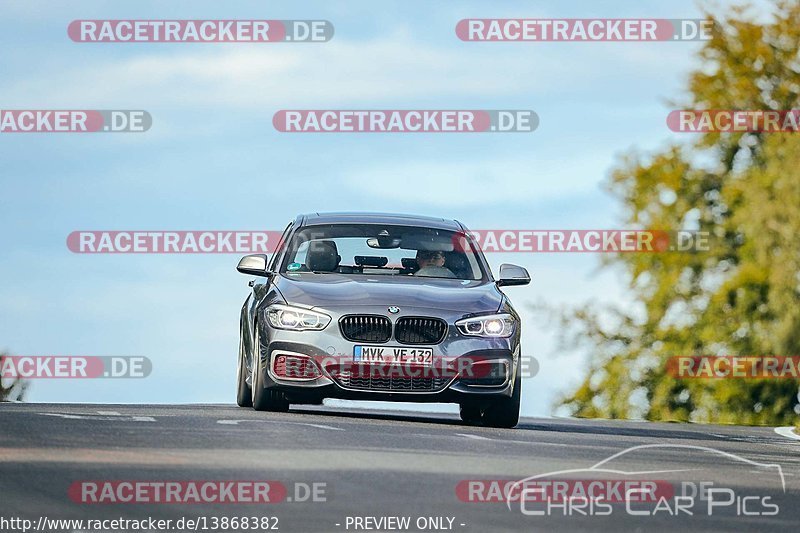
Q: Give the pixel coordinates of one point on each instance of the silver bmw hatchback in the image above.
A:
(386, 307)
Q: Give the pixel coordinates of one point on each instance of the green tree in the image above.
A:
(743, 296)
(10, 388)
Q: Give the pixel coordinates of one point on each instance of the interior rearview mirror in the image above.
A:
(383, 243)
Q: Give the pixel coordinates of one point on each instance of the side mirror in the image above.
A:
(513, 275)
(255, 265)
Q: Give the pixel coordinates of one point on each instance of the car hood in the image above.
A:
(340, 291)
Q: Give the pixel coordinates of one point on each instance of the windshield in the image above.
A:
(370, 249)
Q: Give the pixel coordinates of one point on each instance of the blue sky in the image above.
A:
(213, 161)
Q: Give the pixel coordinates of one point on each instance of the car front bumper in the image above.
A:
(331, 352)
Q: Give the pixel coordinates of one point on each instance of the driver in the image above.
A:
(431, 264)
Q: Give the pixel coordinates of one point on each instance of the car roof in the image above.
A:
(355, 217)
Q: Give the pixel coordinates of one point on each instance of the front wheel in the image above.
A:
(470, 412)
(504, 412)
(264, 399)
(244, 395)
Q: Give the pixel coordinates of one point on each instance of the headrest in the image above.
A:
(322, 256)
(409, 263)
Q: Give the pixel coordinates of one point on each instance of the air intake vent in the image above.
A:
(419, 330)
(392, 384)
(365, 328)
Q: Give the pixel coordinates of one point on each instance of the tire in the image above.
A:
(504, 412)
(244, 394)
(470, 413)
(264, 399)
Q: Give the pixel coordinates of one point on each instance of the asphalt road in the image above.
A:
(379, 465)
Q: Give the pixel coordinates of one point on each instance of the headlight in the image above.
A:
(295, 318)
(501, 325)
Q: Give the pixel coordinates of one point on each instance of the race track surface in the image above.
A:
(368, 466)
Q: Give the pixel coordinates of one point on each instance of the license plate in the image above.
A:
(392, 354)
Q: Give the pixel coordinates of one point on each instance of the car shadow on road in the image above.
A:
(595, 427)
